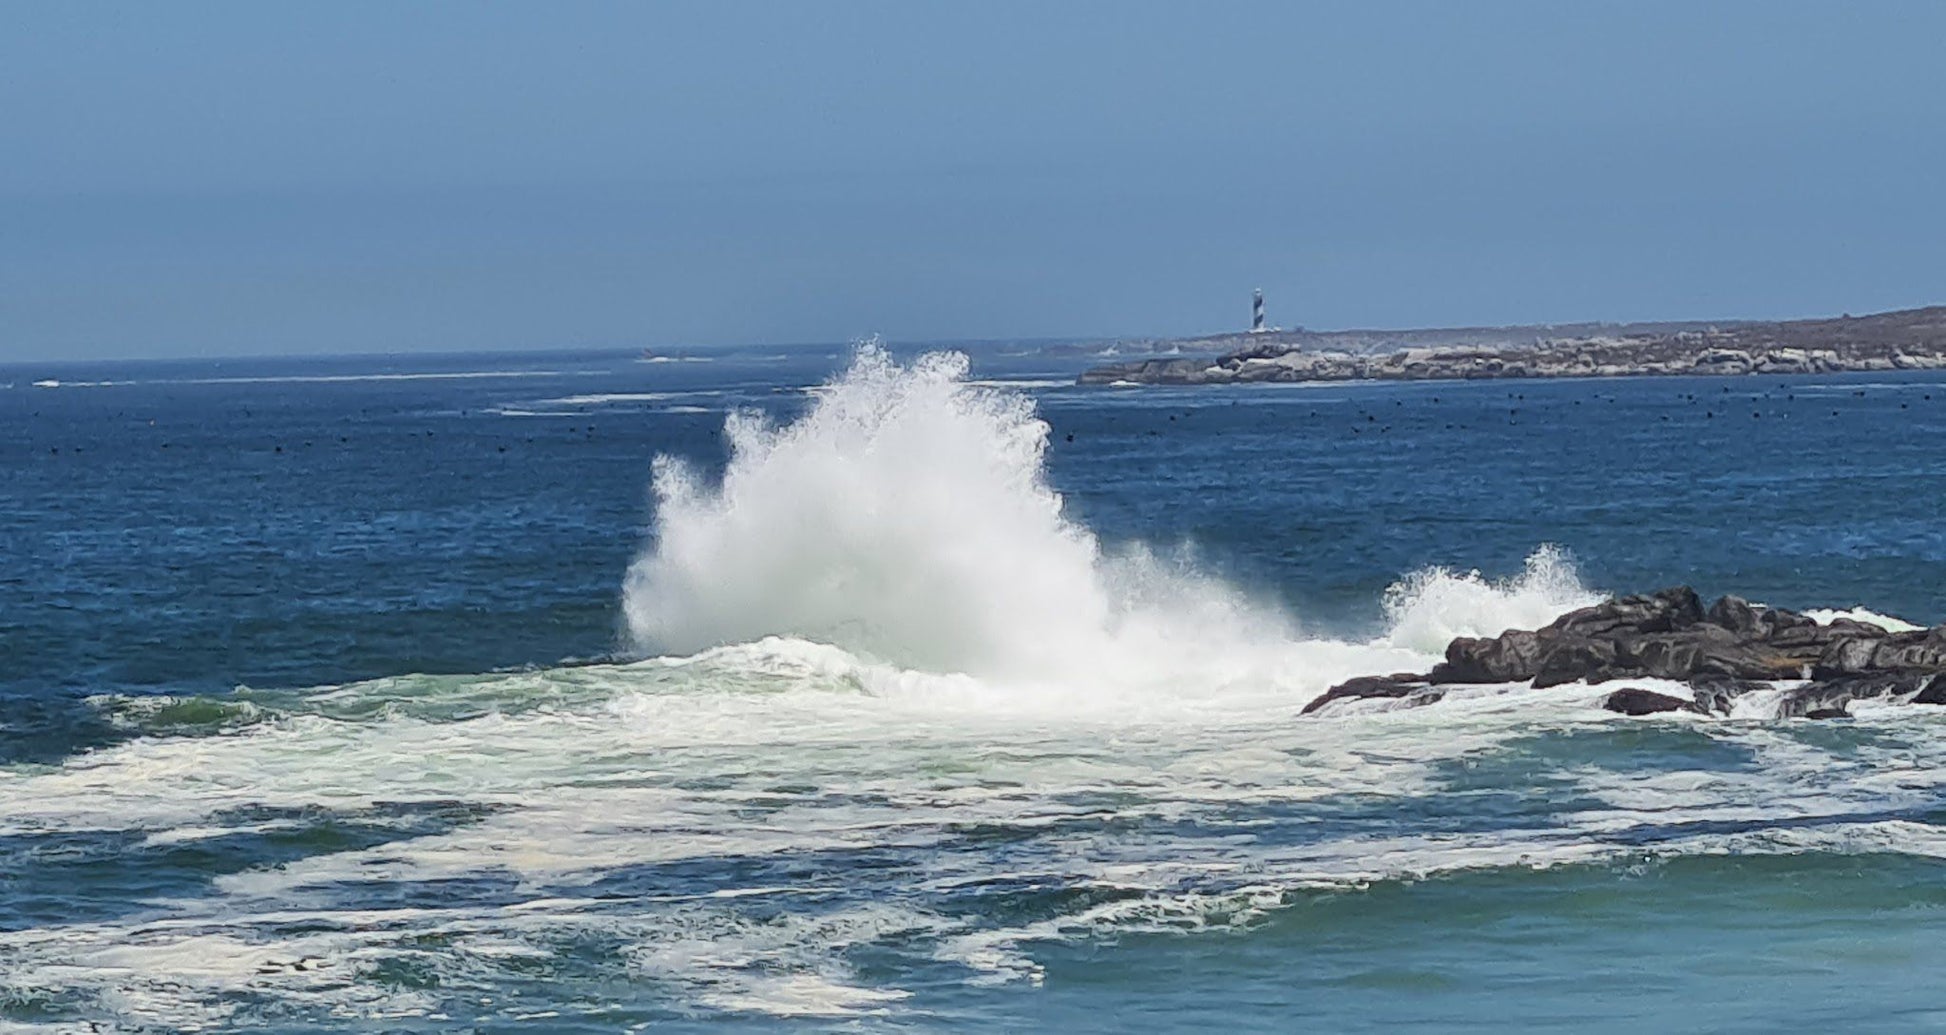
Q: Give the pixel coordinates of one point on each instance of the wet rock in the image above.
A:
(1722, 653)
(1737, 615)
(1400, 684)
(1576, 659)
(1715, 696)
(1633, 700)
(1818, 700)
(1809, 639)
(1847, 657)
(1924, 650)
(1668, 635)
(1932, 692)
(1838, 693)
(1707, 651)
(1663, 611)
(1509, 658)
(1756, 622)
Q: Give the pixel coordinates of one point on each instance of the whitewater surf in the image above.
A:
(900, 738)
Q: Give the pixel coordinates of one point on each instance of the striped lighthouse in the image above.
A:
(1257, 312)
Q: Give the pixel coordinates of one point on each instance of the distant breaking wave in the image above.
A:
(272, 379)
(52, 383)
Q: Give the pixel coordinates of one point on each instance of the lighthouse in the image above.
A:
(1257, 312)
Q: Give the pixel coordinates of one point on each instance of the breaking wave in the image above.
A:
(898, 701)
(1430, 608)
(907, 519)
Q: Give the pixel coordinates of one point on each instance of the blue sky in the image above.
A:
(247, 178)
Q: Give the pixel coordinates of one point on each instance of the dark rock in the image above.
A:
(1925, 649)
(1399, 684)
(1715, 695)
(1841, 691)
(1875, 684)
(1662, 611)
(1668, 635)
(1672, 657)
(1932, 692)
(1752, 621)
(1722, 654)
(1817, 700)
(1787, 627)
(1708, 651)
(1852, 627)
(1811, 641)
(1567, 661)
(1827, 713)
(1509, 658)
(1845, 657)
(1633, 700)
(1737, 615)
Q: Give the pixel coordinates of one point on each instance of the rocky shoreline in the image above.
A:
(1907, 340)
(1721, 653)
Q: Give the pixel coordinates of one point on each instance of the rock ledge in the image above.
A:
(1720, 652)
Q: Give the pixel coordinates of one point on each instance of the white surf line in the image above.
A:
(462, 375)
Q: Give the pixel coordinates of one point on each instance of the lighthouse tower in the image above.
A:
(1257, 312)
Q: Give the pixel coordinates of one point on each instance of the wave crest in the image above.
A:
(1430, 608)
(907, 517)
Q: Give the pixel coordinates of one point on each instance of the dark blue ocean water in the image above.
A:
(319, 710)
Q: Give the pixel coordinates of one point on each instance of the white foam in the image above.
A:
(891, 641)
(1431, 608)
(789, 748)
(456, 375)
(1021, 382)
(762, 968)
(51, 383)
(1824, 616)
(906, 517)
(609, 398)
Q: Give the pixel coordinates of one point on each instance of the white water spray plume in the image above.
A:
(907, 518)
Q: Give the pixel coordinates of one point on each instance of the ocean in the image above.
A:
(857, 690)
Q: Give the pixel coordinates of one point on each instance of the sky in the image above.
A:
(199, 179)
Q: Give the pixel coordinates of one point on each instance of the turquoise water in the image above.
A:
(380, 695)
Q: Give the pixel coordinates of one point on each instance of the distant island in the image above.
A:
(1910, 339)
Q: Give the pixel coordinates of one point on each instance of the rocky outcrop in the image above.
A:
(1908, 340)
(1401, 685)
(1721, 652)
(1633, 700)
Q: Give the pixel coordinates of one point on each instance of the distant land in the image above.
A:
(1909, 339)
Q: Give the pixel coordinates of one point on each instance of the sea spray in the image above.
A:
(907, 518)
(1429, 608)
